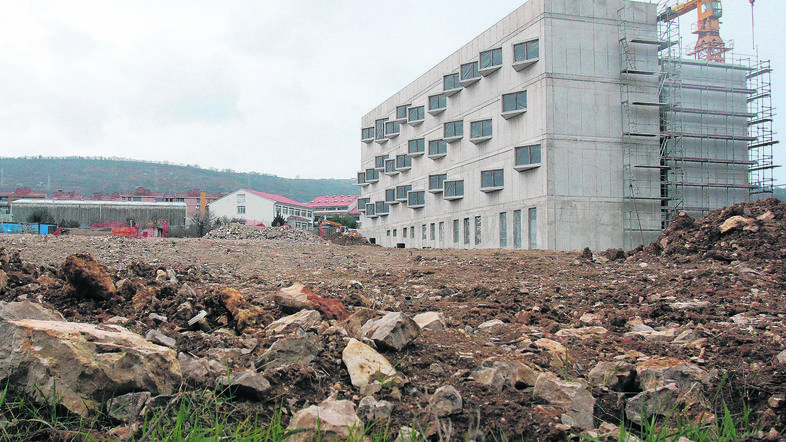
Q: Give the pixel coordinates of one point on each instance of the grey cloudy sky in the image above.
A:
(251, 85)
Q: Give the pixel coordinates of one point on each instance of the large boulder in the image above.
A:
(86, 278)
(81, 365)
(290, 350)
(329, 421)
(10, 311)
(501, 374)
(574, 397)
(446, 401)
(391, 332)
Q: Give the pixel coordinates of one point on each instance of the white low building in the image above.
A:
(256, 207)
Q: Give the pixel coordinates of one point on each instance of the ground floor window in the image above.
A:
(517, 229)
(432, 231)
(503, 229)
(477, 229)
(456, 231)
(532, 217)
(441, 231)
(466, 231)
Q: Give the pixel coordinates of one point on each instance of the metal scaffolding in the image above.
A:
(760, 130)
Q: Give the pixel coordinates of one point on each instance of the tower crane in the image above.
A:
(710, 45)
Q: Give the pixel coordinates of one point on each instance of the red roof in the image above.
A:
(276, 198)
(333, 200)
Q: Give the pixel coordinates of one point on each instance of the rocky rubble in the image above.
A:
(242, 231)
(459, 344)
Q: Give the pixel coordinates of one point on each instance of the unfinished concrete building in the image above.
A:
(566, 125)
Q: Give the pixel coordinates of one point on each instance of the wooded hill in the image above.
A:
(108, 175)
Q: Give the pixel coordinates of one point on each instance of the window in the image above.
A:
(525, 54)
(362, 178)
(379, 126)
(395, 232)
(466, 231)
(441, 231)
(451, 83)
(401, 192)
(454, 130)
(416, 147)
(390, 167)
(490, 61)
(456, 231)
(390, 195)
(401, 112)
(379, 161)
(416, 114)
(367, 133)
(241, 210)
(241, 198)
(362, 203)
(370, 210)
(532, 216)
(527, 157)
(469, 73)
(435, 182)
(453, 190)
(388, 233)
(392, 129)
(382, 208)
(423, 232)
(503, 229)
(404, 232)
(477, 230)
(437, 103)
(416, 199)
(480, 131)
(437, 148)
(514, 104)
(491, 180)
(517, 229)
(403, 162)
(372, 175)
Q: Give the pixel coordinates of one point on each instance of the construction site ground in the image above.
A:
(730, 285)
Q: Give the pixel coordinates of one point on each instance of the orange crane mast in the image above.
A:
(709, 46)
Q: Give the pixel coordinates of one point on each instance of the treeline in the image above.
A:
(88, 175)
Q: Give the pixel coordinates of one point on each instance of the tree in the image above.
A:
(201, 224)
(278, 221)
(345, 220)
(40, 216)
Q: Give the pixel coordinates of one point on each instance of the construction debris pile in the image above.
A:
(242, 231)
(532, 345)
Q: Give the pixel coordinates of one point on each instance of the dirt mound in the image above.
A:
(347, 240)
(242, 231)
(742, 232)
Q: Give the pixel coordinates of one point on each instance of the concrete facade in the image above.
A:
(573, 196)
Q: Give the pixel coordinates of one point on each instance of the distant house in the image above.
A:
(191, 198)
(7, 197)
(259, 207)
(329, 205)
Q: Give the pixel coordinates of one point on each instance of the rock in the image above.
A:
(160, 275)
(781, 357)
(661, 401)
(766, 216)
(492, 327)
(445, 401)
(293, 298)
(689, 305)
(157, 337)
(393, 331)
(559, 353)
(777, 401)
(616, 375)
(433, 321)
(86, 278)
(355, 321)
(290, 350)
(303, 319)
(581, 333)
(591, 318)
(500, 373)
(157, 318)
(248, 384)
(10, 311)
(655, 373)
(372, 410)
(3, 280)
(354, 284)
(736, 222)
(328, 421)
(49, 359)
(573, 396)
(246, 316)
(365, 365)
(408, 434)
(199, 371)
(127, 406)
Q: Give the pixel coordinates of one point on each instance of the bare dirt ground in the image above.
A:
(728, 286)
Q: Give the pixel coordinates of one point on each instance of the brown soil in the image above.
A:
(536, 293)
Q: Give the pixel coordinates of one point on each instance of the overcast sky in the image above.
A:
(251, 85)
